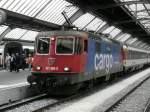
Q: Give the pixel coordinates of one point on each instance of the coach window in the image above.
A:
(85, 45)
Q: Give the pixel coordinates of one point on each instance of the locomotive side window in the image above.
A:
(43, 45)
(78, 45)
(65, 45)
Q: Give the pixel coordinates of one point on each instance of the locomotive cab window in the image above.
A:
(65, 45)
(43, 44)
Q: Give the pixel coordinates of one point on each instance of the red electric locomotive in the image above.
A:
(65, 60)
(59, 60)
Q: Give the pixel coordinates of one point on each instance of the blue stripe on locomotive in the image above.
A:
(91, 55)
(108, 57)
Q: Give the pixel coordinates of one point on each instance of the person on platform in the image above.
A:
(17, 62)
(13, 63)
(7, 61)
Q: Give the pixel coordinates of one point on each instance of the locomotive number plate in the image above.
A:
(51, 68)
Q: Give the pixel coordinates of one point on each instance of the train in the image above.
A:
(66, 60)
(13, 47)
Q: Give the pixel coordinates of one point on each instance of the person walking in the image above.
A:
(17, 62)
(12, 63)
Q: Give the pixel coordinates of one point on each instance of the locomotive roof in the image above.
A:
(136, 49)
(63, 33)
(78, 33)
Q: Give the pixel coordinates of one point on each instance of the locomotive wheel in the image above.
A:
(64, 90)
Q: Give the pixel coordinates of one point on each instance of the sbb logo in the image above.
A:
(103, 61)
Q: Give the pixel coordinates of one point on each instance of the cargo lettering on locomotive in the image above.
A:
(103, 61)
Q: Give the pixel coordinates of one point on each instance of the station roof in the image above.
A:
(127, 21)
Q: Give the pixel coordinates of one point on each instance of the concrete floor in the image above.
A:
(10, 78)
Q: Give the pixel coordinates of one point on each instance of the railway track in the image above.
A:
(52, 102)
(55, 104)
(81, 94)
(113, 106)
(16, 104)
(147, 108)
(58, 101)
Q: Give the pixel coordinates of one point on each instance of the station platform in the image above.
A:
(13, 86)
(13, 78)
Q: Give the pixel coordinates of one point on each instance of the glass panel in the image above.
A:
(43, 45)
(30, 7)
(38, 7)
(128, 40)
(2, 29)
(95, 24)
(23, 6)
(109, 29)
(65, 45)
(135, 11)
(121, 36)
(30, 35)
(53, 12)
(18, 6)
(2, 2)
(114, 32)
(142, 14)
(83, 20)
(133, 41)
(125, 38)
(138, 42)
(7, 4)
(139, 7)
(10, 4)
(15, 3)
(148, 6)
(16, 33)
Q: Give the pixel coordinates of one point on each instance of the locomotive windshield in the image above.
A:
(65, 45)
(43, 44)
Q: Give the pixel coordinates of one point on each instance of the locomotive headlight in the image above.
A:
(52, 38)
(38, 68)
(66, 69)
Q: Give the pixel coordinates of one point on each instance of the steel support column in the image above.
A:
(5, 33)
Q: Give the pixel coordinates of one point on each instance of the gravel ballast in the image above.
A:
(136, 101)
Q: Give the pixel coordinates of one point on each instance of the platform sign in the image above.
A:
(2, 17)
